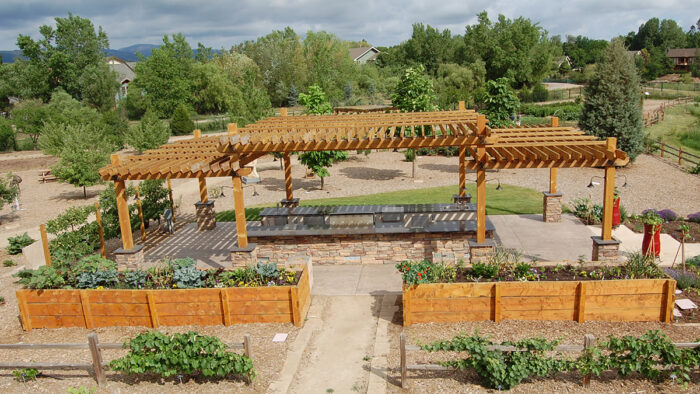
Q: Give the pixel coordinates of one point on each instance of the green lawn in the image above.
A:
(679, 128)
(510, 200)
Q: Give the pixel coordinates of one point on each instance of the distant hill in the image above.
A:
(127, 54)
(9, 56)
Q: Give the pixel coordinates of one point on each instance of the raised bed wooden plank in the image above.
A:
(451, 304)
(189, 309)
(259, 307)
(637, 286)
(547, 314)
(245, 319)
(538, 303)
(452, 290)
(632, 314)
(121, 321)
(119, 309)
(273, 293)
(190, 320)
(624, 301)
(118, 296)
(55, 309)
(57, 321)
(537, 289)
(441, 317)
(186, 295)
(53, 296)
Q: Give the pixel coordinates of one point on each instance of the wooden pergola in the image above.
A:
(523, 147)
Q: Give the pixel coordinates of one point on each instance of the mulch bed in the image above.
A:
(670, 228)
(689, 315)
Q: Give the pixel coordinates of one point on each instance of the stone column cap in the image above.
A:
(285, 201)
(548, 194)
(486, 244)
(600, 241)
(251, 247)
(134, 250)
(199, 203)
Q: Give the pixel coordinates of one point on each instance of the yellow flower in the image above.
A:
(100, 287)
(174, 285)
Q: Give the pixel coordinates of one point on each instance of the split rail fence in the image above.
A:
(679, 153)
(588, 341)
(98, 367)
(658, 114)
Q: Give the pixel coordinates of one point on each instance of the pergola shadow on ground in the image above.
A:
(481, 148)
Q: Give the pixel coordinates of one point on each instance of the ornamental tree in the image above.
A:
(149, 133)
(318, 162)
(500, 102)
(611, 108)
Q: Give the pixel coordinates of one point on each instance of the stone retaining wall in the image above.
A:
(360, 248)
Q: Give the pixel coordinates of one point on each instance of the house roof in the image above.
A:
(356, 53)
(125, 71)
(682, 52)
(524, 147)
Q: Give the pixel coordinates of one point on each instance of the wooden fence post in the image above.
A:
(588, 341)
(496, 302)
(96, 359)
(402, 346)
(680, 155)
(246, 346)
(581, 304)
(663, 148)
(100, 230)
(45, 243)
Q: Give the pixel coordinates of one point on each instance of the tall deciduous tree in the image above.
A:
(517, 49)
(327, 63)
(414, 91)
(499, 102)
(28, 117)
(69, 56)
(166, 76)
(612, 106)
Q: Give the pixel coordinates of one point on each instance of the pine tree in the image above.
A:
(181, 124)
(150, 133)
(612, 106)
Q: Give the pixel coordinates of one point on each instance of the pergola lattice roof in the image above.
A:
(524, 147)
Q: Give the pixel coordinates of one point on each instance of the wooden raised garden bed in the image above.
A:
(154, 308)
(605, 300)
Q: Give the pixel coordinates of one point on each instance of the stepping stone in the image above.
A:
(686, 304)
(677, 313)
(279, 337)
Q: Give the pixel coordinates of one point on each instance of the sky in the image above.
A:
(221, 23)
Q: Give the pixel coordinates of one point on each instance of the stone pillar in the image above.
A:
(551, 207)
(241, 257)
(480, 251)
(605, 250)
(206, 215)
(129, 259)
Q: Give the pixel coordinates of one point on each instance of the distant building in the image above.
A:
(682, 57)
(125, 74)
(364, 54)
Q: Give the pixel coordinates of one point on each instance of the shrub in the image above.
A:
(149, 133)
(641, 266)
(564, 111)
(426, 271)
(154, 199)
(694, 217)
(18, 243)
(42, 278)
(693, 261)
(187, 354)
(684, 280)
(485, 270)
(540, 93)
(181, 123)
(8, 263)
(7, 135)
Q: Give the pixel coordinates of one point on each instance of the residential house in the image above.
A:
(364, 54)
(682, 57)
(125, 74)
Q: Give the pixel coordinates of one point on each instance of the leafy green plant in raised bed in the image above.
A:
(641, 266)
(18, 243)
(41, 278)
(426, 271)
(484, 270)
(187, 354)
(188, 276)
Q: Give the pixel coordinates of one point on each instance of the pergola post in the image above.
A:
(551, 200)
(128, 255)
(481, 249)
(239, 208)
(289, 201)
(204, 209)
(462, 197)
(606, 247)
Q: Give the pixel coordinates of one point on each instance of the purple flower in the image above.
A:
(667, 215)
(694, 217)
(644, 212)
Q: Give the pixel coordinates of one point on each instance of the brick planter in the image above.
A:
(608, 300)
(129, 259)
(154, 308)
(605, 250)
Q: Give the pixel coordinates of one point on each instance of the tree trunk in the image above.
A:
(413, 168)
(322, 183)
(84, 192)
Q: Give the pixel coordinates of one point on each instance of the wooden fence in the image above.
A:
(682, 156)
(588, 341)
(658, 114)
(97, 366)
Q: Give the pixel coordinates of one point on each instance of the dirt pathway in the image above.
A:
(338, 354)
